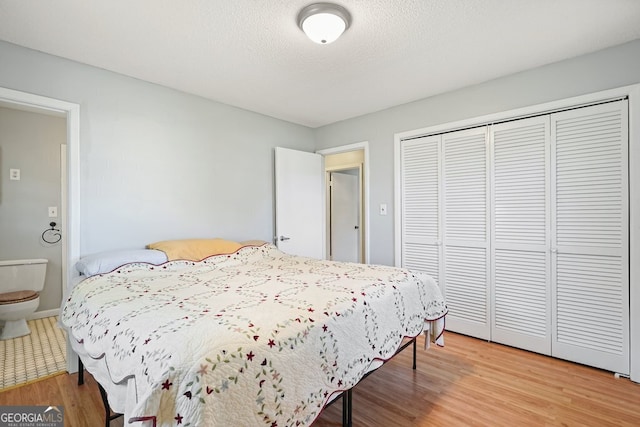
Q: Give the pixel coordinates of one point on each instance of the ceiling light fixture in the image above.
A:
(324, 22)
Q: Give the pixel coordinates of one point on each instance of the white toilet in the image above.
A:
(20, 284)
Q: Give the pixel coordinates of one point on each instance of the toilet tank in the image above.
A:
(22, 275)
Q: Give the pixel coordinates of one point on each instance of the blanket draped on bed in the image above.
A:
(257, 337)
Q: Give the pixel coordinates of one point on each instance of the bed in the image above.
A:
(254, 337)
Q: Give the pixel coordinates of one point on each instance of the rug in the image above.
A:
(33, 357)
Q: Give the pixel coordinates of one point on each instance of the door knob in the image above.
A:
(282, 238)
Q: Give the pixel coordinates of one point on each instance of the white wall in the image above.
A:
(157, 163)
(606, 69)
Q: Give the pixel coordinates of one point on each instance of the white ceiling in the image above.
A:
(251, 54)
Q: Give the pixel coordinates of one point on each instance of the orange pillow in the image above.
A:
(195, 249)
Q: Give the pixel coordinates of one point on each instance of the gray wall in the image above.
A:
(31, 142)
(157, 163)
(606, 69)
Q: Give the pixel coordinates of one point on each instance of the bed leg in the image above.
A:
(80, 372)
(346, 408)
(414, 353)
(108, 417)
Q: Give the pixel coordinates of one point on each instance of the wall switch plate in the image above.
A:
(53, 211)
(383, 209)
(14, 174)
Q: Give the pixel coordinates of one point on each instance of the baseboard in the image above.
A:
(43, 314)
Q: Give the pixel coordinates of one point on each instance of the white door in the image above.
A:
(465, 241)
(590, 244)
(521, 314)
(299, 191)
(345, 221)
(420, 206)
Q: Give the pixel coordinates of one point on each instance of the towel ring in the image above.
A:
(51, 235)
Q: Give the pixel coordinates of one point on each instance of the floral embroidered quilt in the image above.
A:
(254, 338)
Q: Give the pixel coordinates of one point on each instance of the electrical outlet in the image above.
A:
(14, 174)
(53, 211)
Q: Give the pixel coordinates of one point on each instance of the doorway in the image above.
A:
(344, 200)
(347, 216)
(69, 213)
(31, 145)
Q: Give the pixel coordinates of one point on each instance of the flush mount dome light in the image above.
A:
(324, 22)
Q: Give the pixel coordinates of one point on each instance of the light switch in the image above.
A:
(53, 211)
(383, 209)
(14, 174)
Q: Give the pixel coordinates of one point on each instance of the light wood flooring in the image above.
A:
(469, 382)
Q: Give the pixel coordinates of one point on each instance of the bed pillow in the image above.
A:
(104, 262)
(195, 249)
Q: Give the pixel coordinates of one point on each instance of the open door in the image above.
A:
(345, 215)
(299, 192)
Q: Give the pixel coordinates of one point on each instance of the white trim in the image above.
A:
(71, 234)
(633, 92)
(397, 203)
(64, 200)
(634, 230)
(548, 107)
(354, 147)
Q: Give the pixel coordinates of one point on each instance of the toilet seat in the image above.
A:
(17, 296)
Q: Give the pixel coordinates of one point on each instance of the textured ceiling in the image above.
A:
(251, 54)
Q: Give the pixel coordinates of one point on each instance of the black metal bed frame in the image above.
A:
(347, 395)
(108, 416)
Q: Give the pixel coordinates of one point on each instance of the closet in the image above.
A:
(525, 226)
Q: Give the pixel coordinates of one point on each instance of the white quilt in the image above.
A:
(253, 338)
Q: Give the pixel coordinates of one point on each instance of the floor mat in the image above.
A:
(33, 357)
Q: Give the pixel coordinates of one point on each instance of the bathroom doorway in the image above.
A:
(32, 145)
(68, 212)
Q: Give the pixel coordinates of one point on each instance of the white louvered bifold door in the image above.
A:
(420, 187)
(465, 239)
(521, 314)
(590, 247)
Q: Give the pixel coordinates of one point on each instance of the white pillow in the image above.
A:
(105, 262)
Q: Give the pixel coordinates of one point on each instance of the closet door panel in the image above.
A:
(520, 182)
(422, 257)
(465, 187)
(589, 302)
(420, 184)
(465, 237)
(590, 247)
(520, 298)
(466, 291)
(520, 241)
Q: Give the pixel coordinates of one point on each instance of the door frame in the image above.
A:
(364, 145)
(70, 206)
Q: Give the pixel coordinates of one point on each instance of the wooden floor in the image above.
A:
(469, 382)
